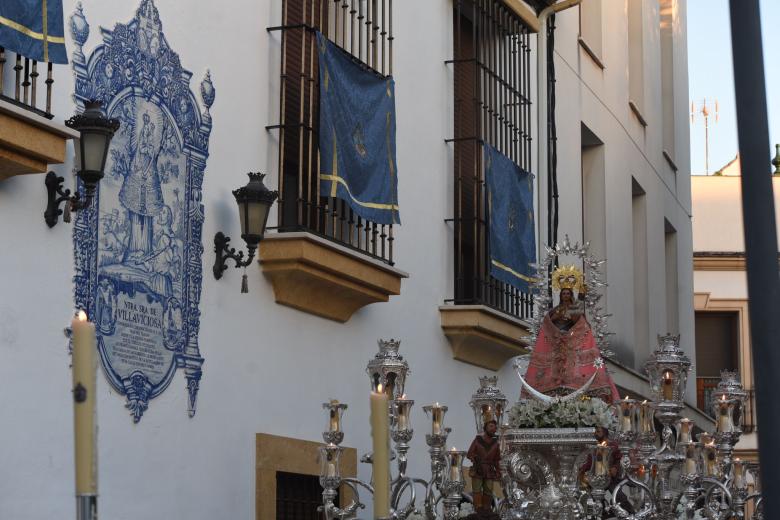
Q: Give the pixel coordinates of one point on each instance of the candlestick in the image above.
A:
(402, 407)
(691, 451)
(646, 418)
(84, 363)
(710, 460)
(627, 412)
(668, 388)
(684, 431)
(724, 423)
(455, 465)
(335, 420)
(436, 412)
(381, 452)
(738, 468)
(601, 466)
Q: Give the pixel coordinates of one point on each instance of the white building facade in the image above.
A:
(314, 312)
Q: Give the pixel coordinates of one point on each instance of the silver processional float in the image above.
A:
(552, 466)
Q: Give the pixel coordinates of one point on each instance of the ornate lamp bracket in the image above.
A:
(225, 252)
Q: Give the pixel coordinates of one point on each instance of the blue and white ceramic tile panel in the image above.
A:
(138, 249)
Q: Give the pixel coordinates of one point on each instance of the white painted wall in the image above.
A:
(269, 367)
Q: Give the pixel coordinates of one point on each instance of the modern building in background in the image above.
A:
(232, 423)
(720, 290)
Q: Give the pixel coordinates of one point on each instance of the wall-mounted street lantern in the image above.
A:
(254, 202)
(96, 132)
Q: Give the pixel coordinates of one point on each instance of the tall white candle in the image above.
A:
(84, 382)
(380, 436)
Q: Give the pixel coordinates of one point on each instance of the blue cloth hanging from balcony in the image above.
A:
(34, 29)
(512, 240)
(357, 135)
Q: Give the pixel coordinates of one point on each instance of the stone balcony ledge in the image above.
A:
(483, 336)
(320, 277)
(29, 143)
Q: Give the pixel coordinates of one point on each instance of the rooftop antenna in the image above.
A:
(704, 111)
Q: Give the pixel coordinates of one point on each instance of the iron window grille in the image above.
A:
(298, 497)
(492, 82)
(363, 28)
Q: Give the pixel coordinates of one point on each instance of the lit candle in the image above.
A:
(739, 474)
(455, 459)
(601, 466)
(335, 419)
(437, 417)
(381, 454)
(646, 418)
(668, 388)
(724, 423)
(84, 381)
(710, 460)
(684, 435)
(690, 467)
(402, 408)
(627, 412)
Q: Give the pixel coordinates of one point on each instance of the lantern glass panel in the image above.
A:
(94, 150)
(253, 217)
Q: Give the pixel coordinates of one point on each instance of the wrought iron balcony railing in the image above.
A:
(492, 83)
(22, 74)
(364, 29)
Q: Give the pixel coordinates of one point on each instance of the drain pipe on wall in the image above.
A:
(542, 113)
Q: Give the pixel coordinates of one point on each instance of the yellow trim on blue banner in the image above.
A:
(374, 205)
(29, 32)
(512, 271)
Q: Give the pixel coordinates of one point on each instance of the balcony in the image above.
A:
(29, 140)
(325, 259)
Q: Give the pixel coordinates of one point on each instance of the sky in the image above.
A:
(710, 76)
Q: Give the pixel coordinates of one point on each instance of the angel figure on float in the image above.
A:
(565, 356)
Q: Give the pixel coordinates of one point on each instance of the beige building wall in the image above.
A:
(720, 281)
(616, 148)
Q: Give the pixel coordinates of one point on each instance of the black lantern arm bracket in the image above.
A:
(90, 123)
(56, 196)
(225, 252)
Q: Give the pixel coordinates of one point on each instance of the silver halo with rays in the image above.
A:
(594, 279)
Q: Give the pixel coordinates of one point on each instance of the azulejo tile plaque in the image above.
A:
(138, 248)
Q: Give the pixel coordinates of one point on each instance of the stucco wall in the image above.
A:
(269, 367)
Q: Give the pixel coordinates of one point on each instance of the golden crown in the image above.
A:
(567, 277)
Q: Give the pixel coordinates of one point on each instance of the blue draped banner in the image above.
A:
(34, 29)
(512, 238)
(357, 135)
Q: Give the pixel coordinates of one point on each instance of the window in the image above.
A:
(298, 497)
(364, 29)
(590, 29)
(491, 69)
(672, 288)
(636, 61)
(594, 206)
(717, 348)
(641, 300)
(668, 19)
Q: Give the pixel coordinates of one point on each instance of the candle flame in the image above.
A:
(379, 388)
(644, 402)
(403, 396)
(82, 316)
(453, 450)
(626, 398)
(723, 398)
(603, 443)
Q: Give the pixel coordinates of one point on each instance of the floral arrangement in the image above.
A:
(585, 411)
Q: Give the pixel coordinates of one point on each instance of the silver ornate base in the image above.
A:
(541, 471)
